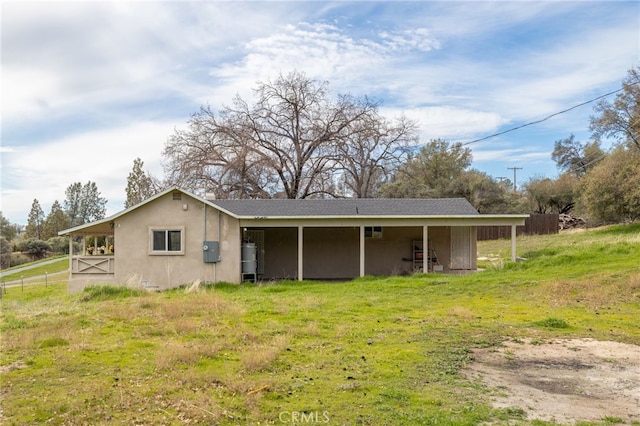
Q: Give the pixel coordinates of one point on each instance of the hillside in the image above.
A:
(373, 351)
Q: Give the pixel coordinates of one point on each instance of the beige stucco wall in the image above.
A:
(79, 282)
(393, 253)
(331, 253)
(280, 253)
(135, 264)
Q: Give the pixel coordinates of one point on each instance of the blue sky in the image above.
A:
(87, 87)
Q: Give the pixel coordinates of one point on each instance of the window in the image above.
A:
(166, 241)
(373, 231)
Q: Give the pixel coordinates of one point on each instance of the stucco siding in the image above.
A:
(440, 240)
(331, 253)
(393, 253)
(136, 264)
(280, 253)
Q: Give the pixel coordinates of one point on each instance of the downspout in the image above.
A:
(204, 222)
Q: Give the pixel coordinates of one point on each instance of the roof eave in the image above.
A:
(343, 217)
(134, 207)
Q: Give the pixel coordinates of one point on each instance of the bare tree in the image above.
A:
(374, 149)
(288, 142)
(213, 154)
(620, 119)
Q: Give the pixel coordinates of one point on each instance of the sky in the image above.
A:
(87, 87)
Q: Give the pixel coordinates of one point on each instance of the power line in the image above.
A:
(531, 123)
(582, 167)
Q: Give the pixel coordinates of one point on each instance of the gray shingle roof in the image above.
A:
(348, 207)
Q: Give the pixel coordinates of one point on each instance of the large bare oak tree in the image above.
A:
(293, 141)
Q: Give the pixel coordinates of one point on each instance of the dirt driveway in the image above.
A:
(565, 381)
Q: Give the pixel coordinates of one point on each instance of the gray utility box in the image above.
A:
(211, 251)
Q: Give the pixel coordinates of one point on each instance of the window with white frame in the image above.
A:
(373, 231)
(167, 240)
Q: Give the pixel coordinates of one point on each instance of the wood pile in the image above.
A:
(566, 221)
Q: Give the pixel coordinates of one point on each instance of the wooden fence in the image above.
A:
(536, 224)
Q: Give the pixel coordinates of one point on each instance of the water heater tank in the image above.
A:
(249, 258)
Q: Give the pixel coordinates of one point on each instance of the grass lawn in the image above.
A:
(57, 265)
(373, 351)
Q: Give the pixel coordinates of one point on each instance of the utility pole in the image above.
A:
(514, 176)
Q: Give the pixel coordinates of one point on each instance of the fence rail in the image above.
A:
(536, 224)
(92, 264)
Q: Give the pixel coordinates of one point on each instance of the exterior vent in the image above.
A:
(177, 195)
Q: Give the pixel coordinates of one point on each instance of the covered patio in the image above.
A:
(92, 252)
(328, 249)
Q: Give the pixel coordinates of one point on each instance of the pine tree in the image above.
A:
(84, 203)
(35, 221)
(56, 221)
(140, 185)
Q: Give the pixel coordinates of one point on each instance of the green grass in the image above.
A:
(60, 265)
(371, 351)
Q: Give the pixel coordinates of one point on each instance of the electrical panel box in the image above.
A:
(211, 251)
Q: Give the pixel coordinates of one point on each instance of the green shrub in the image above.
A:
(108, 292)
(10, 322)
(52, 342)
(553, 323)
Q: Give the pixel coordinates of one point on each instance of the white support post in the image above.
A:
(425, 249)
(362, 241)
(513, 243)
(70, 255)
(300, 253)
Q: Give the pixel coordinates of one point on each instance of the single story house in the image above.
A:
(176, 238)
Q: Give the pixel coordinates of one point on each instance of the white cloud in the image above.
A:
(103, 157)
(450, 123)
(419, 39)
(515, 155)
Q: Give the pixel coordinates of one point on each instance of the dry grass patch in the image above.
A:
(177, 353)
(461, 312)
(594, 293)
(260, 356)
(312, 329)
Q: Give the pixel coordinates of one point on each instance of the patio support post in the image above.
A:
(513, 243)
(300, 253)
(425, 249)
(70, 255)
(362, 251)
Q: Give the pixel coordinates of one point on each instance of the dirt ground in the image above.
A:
(565, 381)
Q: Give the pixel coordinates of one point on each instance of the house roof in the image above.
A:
(347, 207)
(361, 208)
